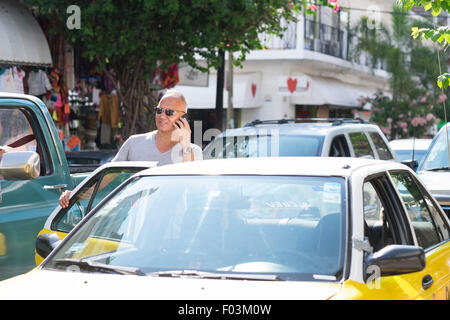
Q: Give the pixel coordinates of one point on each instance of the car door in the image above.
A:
(90, 193)
(26, 204)
(431, 229)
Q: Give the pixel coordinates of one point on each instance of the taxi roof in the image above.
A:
(321, 166)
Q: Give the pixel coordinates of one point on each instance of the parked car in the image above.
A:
(302, 137)
(86, 196)
(88, 160)
(410, 149)
(261, 228)
(435, 171)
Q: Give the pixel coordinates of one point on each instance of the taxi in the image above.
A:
(261, 228)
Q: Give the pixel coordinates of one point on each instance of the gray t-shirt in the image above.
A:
(142, 147)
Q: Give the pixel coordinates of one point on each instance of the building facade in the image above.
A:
(311, 71)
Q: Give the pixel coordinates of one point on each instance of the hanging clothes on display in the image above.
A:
(18, 78)
(108, 117)
(38, 83)
(7, 81)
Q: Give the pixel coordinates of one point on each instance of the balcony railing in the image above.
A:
(287, 41)
(326, 39)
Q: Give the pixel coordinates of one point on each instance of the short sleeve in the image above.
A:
(122, 154)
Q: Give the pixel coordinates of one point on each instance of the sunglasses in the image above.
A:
(169, 112)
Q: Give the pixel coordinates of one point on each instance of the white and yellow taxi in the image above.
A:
(261, 228)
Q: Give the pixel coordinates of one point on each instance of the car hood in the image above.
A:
(60, 285)
(438, 183)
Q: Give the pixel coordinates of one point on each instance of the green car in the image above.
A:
(33, 173)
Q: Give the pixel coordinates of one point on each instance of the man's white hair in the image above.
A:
(172, 93)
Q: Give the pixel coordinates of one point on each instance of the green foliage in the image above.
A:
(436, 6)
(444, 81)
(413, 67)
(440, 35)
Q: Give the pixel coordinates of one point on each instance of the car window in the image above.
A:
(90, 195)
(377, 223)
(361, 146)
(380, 145)
(437, 157)
(264, 146)
(424, 226)
(16, 124)
(339, 147)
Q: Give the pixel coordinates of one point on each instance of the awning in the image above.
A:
(22, 41)
(247, 92)
(309, 90)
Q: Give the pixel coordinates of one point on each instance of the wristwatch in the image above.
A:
(187, 150)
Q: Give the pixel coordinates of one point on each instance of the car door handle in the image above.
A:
(427, 281)
(59, 187)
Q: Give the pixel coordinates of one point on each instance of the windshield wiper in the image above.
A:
(99, 267)
(214, 275)
(438, 169)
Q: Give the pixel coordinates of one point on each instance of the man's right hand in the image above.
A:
(64, 199)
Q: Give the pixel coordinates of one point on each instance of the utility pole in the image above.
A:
(230, 113)
(219, 91)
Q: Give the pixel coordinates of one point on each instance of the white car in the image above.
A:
(263, 228)
(330, 137)
(410, 149)
(435, 170)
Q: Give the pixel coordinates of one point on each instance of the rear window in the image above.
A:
(264, 146)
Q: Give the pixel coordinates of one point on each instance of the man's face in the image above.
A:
(165, 123)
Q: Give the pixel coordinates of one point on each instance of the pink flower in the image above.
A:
(332, 1)
(313, 7)
(429, 117)
(389, 120)
(400, 116)
(402, 124)
(384, 129)
(423, 100)
(441, 98)
(336, 9)
(405, 130)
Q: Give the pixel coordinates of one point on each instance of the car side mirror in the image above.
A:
(413, 164)
(46, 243)
(397, 259)
(20, 165)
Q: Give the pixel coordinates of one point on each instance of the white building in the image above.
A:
(307, 73)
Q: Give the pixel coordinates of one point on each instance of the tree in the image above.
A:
(440, 35)
(410, 110)
(134, 38)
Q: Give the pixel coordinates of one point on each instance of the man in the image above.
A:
(170, 143)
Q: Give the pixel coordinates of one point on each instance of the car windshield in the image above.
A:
(273, 145)
(437, 156)
(292, 227)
